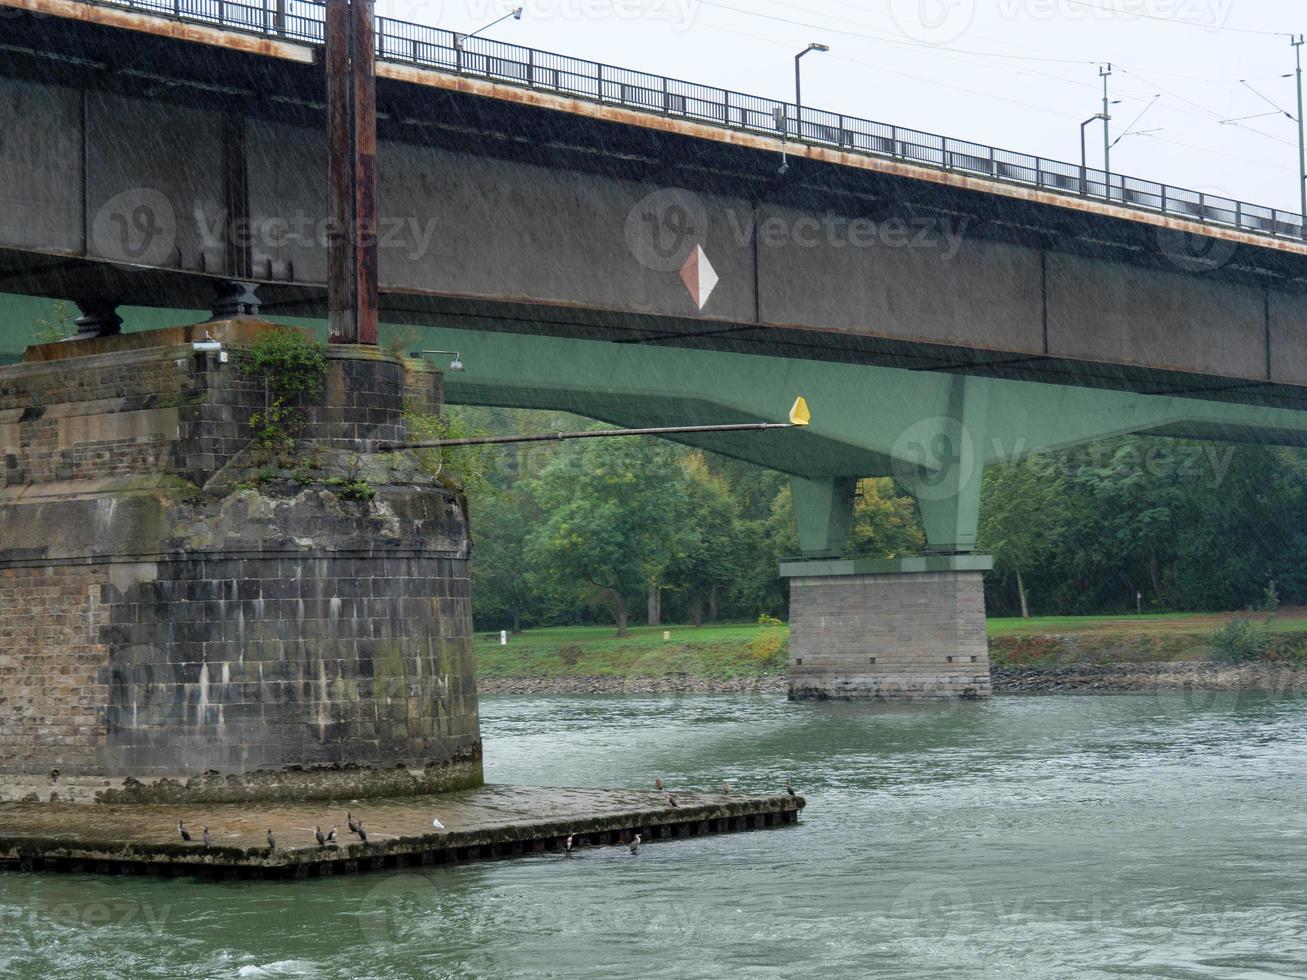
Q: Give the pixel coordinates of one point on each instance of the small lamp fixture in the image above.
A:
(455, 365)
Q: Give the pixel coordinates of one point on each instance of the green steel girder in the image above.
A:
(934, 432)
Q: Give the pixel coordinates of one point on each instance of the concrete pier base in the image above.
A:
(902, 629)
(483, 823)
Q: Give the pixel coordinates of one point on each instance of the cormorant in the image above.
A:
(790, 789)
(186, 834)
(358, 829)
(208, 841)
(350, 822)
(272, 841)
(671, 801)
(319, 836)
(635, 844)
(658, 782)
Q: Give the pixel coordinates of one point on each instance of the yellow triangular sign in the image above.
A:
(799, 414)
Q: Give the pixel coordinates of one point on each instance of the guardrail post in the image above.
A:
(1202, 206)
(1164, 198)
(1039, 172)
(600, 75)
(531, 66)
(1238, 214)
(893, 141)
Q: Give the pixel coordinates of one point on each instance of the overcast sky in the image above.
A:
(1020, 74)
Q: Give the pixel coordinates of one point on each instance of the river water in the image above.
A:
(1062, 836)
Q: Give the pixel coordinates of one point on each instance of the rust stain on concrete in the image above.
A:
(843, 158)
(162, 26)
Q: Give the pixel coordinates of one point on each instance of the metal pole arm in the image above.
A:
(596, 434)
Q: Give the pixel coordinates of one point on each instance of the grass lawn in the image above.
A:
(750, 650)
(1287, 620)
(731, 650)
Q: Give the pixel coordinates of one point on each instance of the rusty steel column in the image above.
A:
(351, 172)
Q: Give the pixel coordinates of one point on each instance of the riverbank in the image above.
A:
(1121, 678)
(1167, 652)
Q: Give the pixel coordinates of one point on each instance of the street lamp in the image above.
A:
(798, 84)
(1302, 143)
(459, 39)
(1084, 181)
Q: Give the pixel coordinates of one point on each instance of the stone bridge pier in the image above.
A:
(185, 618)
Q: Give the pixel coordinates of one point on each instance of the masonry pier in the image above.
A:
(905, 629)
(184, 619)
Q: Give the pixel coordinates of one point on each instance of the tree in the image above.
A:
(1022, 515)
(712, 562)
(613, 519)
(885, 522)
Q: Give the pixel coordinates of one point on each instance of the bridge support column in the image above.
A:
(823, 509)
(907, 628)
(899, 629)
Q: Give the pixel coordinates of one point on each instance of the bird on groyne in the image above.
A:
(726, 789)
(358, 829)
(208, 841)
(658, 782)
(272, 841)
(319, 836)
(635, 844)
(186, 834)
(437, 824)
(350, 823)
(671, 801)
(331, 837)
(567, 846)
(790, 789)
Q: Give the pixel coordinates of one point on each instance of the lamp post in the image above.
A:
(459, 39)
(1084, 180)
(798, 83)
(1296, 41)
(1104, 74)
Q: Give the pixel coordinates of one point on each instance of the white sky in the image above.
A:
(973, 69)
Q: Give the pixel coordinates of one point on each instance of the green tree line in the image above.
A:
(639, 530)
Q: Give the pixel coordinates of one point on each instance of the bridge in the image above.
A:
(645, 250)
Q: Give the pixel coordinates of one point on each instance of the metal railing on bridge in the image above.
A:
(434, 47)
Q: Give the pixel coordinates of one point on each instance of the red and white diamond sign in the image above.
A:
(699, 276)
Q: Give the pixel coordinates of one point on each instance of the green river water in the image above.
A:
(1042, 837)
